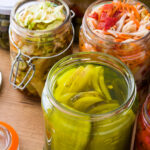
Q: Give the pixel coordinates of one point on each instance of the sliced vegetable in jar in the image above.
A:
(85, 87)
(42, 16)
(90, 89)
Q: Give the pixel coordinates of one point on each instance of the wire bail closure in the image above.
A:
(32, 68)
(17, 61)
(72, 14)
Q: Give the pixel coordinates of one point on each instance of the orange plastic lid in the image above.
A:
(9, 137)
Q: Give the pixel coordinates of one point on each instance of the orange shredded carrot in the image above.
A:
(108, 33)
(127, 7)
(136, 13)
(118, 6)
(124, 36)
(119, 40)
(113, 11)
(148, 27)
(94, 23)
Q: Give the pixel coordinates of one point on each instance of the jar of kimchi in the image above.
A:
(40, 34)
(121, 29)
(142, 141)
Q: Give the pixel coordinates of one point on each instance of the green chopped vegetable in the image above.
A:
(41, 16)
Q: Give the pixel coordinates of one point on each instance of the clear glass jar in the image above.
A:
(8, 137)
(5, 9)
(136, 54)
(73, 130)
(142, 140)
(31, 48)
(79, 7)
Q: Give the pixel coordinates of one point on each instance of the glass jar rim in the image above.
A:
(86, 26)
(31, 32)
(127, 104)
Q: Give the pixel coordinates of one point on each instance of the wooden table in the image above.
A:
(23, 113)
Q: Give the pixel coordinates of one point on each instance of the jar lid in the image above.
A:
(6, 6)
(8, 137)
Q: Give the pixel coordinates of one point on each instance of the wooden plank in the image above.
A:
(23, 113)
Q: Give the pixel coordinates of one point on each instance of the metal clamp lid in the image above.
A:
(31, 66)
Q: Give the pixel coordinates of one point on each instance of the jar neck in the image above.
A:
(92, 57)
(39, 33)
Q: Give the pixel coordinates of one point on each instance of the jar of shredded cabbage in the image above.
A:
(40, 34)
(121, 29)
(88, 103)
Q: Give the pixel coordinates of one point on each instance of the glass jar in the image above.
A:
(142, 140)
(33, 52)
(79, 8)
(136, 54)
(74, 130)
(8, 137)
(5, 9)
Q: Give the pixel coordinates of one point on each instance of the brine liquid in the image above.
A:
(91, 88)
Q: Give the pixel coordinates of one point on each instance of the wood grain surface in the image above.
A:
(23, 113)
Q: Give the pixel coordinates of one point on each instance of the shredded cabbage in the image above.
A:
(41, 16)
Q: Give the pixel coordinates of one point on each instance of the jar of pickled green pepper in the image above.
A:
(88, 103)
